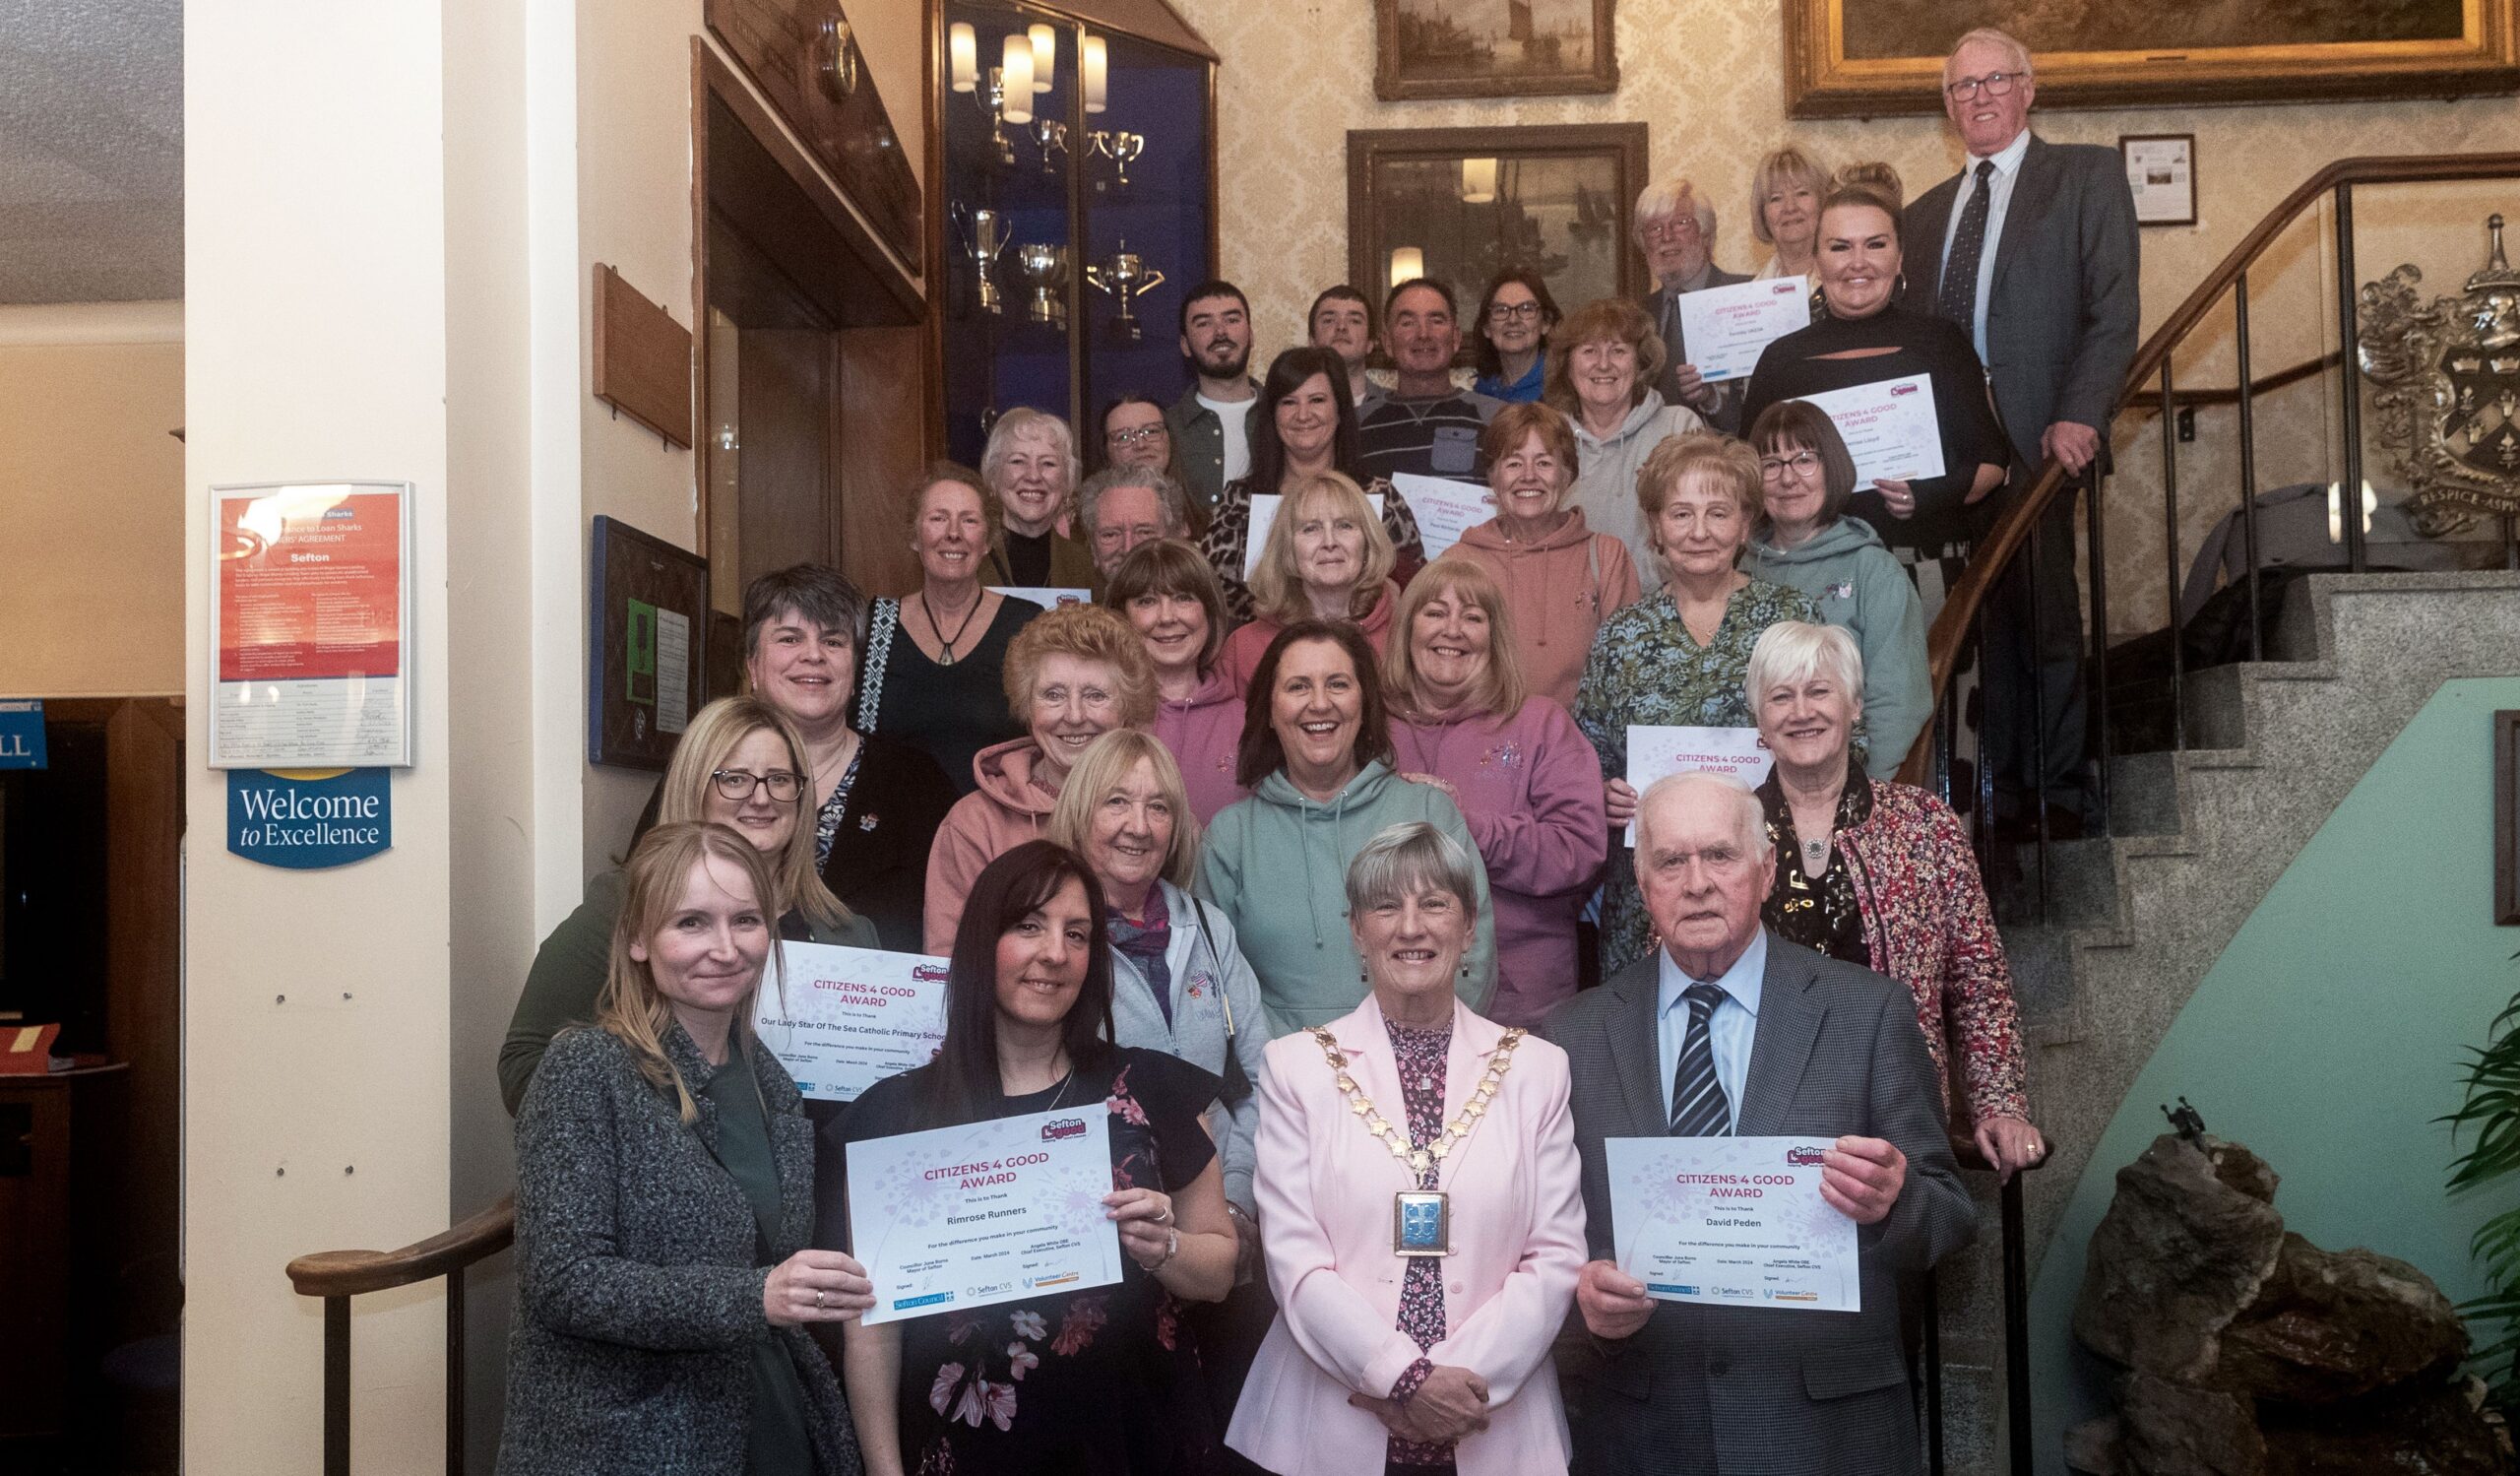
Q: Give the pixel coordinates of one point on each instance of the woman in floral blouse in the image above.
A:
(1678, 658)
(1100, 1381)
(1880, 875)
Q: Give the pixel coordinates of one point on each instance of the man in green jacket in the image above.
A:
(1211, 424)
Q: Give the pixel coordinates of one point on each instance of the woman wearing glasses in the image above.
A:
(1511, 338)
(1134, 436)
(740, 765)
(1804, 541)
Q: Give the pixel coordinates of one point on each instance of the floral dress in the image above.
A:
(1103, 1381)
(1646, 668)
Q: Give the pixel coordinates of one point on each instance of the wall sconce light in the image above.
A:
(1093, 65)
(1407, 264)
(1046, 56)
(964, 44)
(1016, 78)
(1478, 181)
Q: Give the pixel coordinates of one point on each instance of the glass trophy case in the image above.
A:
(1078, 203)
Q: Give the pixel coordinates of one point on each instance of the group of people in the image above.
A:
(1283, 846)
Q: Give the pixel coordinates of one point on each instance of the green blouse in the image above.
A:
(779, 1444)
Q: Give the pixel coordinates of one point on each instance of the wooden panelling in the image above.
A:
(641, 359)
(143, 1008)
(804, 57)
(883, 443)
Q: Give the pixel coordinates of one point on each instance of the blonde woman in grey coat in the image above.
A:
(664, 1201)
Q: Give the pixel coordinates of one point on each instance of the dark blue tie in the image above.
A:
(1957, 299)
(1698, 1108)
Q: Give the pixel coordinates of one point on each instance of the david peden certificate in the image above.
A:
(995, 1211)
(1732, 1221)
(846, 1018)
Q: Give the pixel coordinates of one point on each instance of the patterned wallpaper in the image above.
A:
(1707, 76)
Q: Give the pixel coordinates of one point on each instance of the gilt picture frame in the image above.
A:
(1867, 58)
(1493, 48)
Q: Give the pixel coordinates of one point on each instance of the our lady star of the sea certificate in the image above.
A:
(1732, 1221)
(995, 1211)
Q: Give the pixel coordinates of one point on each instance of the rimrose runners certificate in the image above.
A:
(1732, 1221)
(846, 1019)
(997, 1212)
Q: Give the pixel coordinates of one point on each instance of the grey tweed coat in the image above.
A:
(1753, 1390)
(637, 1293)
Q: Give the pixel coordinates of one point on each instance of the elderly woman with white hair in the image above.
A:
(1676, 230)
(1419, 1178)
(1125, 505)
(1031, 466)
(1880, 875)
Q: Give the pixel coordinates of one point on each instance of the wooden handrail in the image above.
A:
(351, 1273)
(2149, 402)
(1994, 551)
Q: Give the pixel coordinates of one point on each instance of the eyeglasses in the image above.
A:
(1671, 228)
(1509, 312)
(1995, 84)
(1774, 467)
(1132, 437)
(739, 784)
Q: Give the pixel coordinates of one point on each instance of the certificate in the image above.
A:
(1653, 753)
(1728, 328)
(1444, 509)
(999, 1211)
(1889, 428)
(846, 1018)
(1732, 1221)
(1043, 596)
(1264, 516)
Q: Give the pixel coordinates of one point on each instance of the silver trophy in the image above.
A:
(1051, 139)
(1122, 148)
(1127, 276)
(1043, 268)
(984, 240)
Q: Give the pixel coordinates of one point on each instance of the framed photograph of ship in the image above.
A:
(1493, 48)
(1865, 58)
(1462, 204)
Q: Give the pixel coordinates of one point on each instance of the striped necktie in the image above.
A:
(1698, 1108)
(1957, 299)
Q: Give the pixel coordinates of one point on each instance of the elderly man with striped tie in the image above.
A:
(1725, 1029)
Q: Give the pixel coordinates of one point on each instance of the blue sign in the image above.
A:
(305, 819)
(21, 736)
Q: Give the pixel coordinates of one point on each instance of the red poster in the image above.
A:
(310, 586)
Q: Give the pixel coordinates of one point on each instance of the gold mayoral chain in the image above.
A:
(1421, 1219)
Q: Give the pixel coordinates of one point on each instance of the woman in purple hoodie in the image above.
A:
(1168, 593)
(1528, 783)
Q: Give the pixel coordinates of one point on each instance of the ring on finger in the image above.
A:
(818, 1299)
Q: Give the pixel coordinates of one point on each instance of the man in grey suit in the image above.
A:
(1729, 1030)
(2031, 249)
(1676, 230)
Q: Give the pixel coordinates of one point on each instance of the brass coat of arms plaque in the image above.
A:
(2448, 400)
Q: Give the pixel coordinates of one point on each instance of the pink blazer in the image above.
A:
(1325, 1196)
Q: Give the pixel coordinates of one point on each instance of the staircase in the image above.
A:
(2136, 919)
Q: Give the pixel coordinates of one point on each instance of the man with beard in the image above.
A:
(1676, 230)
(1427, 426)
(1211, 421)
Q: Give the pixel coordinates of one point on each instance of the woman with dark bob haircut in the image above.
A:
(1169, 595)
(1090, 1380)
(1316, 755)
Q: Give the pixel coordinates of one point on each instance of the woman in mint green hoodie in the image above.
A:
(1806, 541)
(1316, 755)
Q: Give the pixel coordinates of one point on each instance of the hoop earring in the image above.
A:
(1898, 285)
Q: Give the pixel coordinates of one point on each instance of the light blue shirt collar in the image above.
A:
(2007, 159)
(1732, 1028)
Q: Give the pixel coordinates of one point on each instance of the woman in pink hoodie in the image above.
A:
(1168, 592)
(1528, 783)
(1561, 579)
(1072, 675)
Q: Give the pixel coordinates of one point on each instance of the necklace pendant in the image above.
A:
(1422, 1223)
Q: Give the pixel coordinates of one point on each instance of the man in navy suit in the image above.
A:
(2031, 247)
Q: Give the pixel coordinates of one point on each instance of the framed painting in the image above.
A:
(1462, 204)
(1862, 58)
(1493, 48)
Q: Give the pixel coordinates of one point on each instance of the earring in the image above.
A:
(1900, 285)
(1465, 971)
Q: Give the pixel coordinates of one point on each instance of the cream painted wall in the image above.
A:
(892, 34)
(316, 1048)
(1707, 76)
(91, 501)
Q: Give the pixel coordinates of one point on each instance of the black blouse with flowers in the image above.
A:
(1820, 913)
(1422, 1056)
(1101, 1380)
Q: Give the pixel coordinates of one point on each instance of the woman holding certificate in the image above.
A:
(1864, 337)
(1881, 874)
(1419, 1178)
(1326, 558)
(665, 1177)
(1100, 1380)
(740, 765)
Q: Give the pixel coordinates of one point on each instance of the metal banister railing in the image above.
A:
(1955, 626)
(338, 1275)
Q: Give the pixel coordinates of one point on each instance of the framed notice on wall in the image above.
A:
(310, 625)
(648, 646)
(2161, 173)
